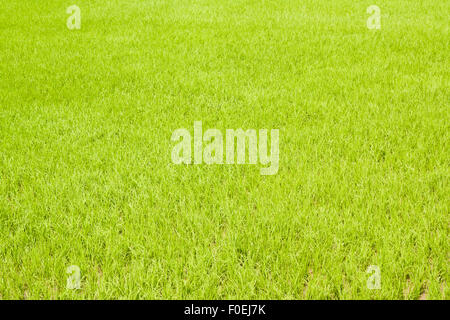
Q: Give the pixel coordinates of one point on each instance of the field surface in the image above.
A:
(86, 176)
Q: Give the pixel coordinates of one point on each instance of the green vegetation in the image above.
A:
(86, 176)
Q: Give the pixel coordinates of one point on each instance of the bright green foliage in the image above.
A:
(86, 176)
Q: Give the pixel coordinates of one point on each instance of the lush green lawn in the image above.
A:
(86, 176)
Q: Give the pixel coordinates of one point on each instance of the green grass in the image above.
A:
(86, 176)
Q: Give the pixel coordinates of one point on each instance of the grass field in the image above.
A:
(86, 176)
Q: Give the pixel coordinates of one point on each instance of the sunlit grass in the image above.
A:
(86, 176)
